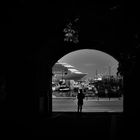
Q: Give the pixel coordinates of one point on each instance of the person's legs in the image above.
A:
(80, 108)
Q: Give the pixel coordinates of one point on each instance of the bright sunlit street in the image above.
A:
(90, 105)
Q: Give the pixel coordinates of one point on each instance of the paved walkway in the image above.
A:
(90, 105)
(91, 98)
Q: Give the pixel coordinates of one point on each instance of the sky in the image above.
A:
(89, 61)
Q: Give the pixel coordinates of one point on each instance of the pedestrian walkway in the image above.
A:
(92, 99)
(90, 105)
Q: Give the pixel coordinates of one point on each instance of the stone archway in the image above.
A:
(57, 50)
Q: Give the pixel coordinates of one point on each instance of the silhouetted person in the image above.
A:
(80, 98)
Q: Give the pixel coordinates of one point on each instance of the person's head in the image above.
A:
(80, 90)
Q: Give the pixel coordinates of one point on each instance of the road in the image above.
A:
(90, 105)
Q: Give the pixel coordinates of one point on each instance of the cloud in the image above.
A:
(89, 64)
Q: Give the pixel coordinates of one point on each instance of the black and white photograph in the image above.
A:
(69, 69)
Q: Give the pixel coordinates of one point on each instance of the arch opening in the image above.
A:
(93, 71)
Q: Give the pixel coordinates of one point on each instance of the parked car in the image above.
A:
(90, 87)
(64, 88)
(55, 87)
